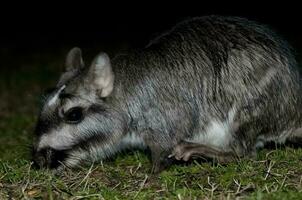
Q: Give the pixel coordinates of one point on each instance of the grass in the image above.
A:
(274, 174)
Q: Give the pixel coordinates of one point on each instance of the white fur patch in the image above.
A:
(217, 134)
(54, 99)
(58, 140)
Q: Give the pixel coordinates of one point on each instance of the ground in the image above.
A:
(276, 173)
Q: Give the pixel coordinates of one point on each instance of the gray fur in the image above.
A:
(207, 74)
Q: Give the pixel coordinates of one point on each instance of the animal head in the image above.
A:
(76, 122)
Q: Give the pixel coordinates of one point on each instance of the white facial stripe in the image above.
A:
(58, 140)
(55, 97)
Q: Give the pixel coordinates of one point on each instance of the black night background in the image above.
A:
(95, 28)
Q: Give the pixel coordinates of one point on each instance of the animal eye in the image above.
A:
(74, 115)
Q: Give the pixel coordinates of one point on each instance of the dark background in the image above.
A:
(53, 28)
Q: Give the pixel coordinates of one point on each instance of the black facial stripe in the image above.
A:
(96, 108)
(94, 140)
(44, 125)
(66, 96)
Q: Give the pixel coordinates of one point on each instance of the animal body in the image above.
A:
(213, 86)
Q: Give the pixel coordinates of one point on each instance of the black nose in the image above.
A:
(47, 158)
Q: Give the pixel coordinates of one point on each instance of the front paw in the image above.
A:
(186, 151)
(181, 152)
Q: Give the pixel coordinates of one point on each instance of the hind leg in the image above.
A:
(186, 150)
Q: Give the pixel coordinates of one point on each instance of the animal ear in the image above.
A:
(102, 74)
(73, 63)
(74, 60)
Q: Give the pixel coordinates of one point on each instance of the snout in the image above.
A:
(48, 158)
